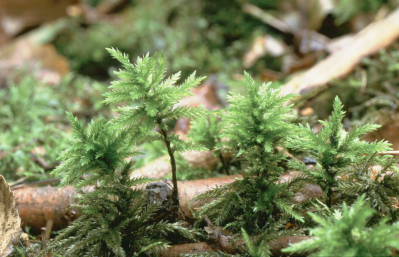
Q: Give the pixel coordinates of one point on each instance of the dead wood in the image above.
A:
(276, 247)
(19, 15)
(41, 59)
(394, 153)
(371, 39)
(178, 250)
(191, 189)
(107, 7)
(283, 242)
(10, 222)
(388, 131)
(38, 205)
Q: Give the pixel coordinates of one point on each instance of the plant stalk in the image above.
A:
(166, 140)
(225, 167)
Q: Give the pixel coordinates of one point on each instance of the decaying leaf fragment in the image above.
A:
(10, 223)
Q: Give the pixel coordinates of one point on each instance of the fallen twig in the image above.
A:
(37, 205)
(371, 39)
(395, 153)
(178, 250)
(276, 247)
(267, 18)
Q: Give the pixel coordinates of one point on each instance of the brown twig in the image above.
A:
(394, 153)
(267, 18)
(371, 39)
(37, 205)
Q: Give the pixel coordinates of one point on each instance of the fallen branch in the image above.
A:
(283, 242)
(38, 205)
(178, 250)
(267, 18)
(191, 189)
(276, 247)
(371, 39)
(394, 153)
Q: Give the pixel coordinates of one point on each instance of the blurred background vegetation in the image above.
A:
(53, 60)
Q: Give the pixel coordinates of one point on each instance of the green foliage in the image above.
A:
(148, 102)
(172, 27)
(346, 9)
(378, 183)
(91, 58)
(370, 93)
(150, 98)
(335, 150)
(192, 34)
(255, 250)
(209, 254)
(81, 96)
(255, 204)
(242, 26)
(148, 152)
(32, 121)
(347, 233)
(207, 132)
(93, 2)
(28, 119)
(115, 220)
(95, 153)
(254, 125)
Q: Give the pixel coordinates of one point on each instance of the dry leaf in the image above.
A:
(206, 96)
(10, 223)
(388, 131)
(18, 15)
(42, 59)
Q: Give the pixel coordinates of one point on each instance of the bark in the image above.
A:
(10, 222)
(283, 242)
(191, 189)
(19, 15)
(38, 205)
(276, 247)
(178, 250)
